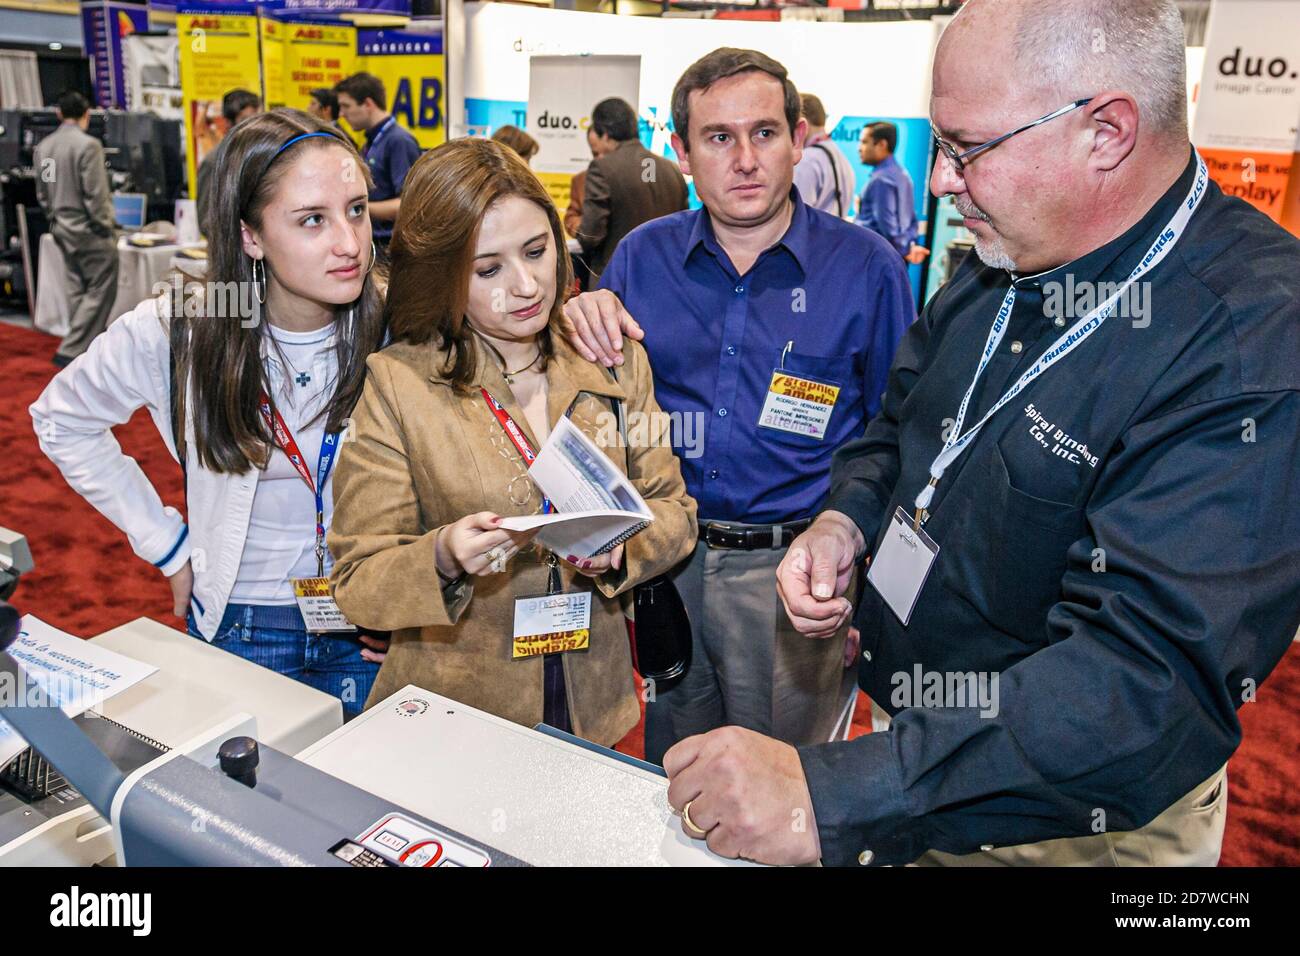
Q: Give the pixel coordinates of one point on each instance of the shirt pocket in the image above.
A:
(838, 370)
(1010, 558)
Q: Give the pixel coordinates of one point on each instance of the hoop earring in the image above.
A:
(259, 284)
(374, 256)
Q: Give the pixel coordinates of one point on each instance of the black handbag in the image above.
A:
(661, 632)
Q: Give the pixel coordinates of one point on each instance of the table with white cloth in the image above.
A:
(140, 269)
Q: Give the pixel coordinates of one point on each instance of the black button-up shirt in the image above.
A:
(1119, 546)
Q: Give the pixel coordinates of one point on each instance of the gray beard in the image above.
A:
(993, 255)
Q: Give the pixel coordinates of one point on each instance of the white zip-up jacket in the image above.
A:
(126, 368)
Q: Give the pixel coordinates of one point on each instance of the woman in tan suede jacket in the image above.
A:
(474, 301)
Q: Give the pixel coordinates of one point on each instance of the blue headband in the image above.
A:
(298, 139)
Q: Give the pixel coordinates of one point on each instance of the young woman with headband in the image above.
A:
(254, 379)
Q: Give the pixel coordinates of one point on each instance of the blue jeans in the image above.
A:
(274, 637)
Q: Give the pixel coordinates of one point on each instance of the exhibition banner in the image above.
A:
(219, 53)
(412, 67)
(315, 55)
(1248, 106)
(153, 74)
(296, 8)
(104, 25)
(562, 92)
(272, 62)
(334, 8)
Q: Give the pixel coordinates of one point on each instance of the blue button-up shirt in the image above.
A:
(888, 205)
(390, 153)
(835, 294)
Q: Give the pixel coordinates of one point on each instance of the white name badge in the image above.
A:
(319, 612)
(798, 404)
(899, 568)
(552, 624)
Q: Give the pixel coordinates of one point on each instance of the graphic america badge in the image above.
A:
(412, 707)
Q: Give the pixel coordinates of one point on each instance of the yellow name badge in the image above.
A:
(551, 624)
(799, 405)
(319, 612)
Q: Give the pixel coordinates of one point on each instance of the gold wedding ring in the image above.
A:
(496, 559)
(686, 818)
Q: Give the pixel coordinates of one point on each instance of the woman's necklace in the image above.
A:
(508, 375)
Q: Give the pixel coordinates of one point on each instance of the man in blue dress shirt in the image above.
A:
(888, 202)
(770, 327)
(390, 151)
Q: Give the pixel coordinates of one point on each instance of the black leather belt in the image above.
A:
(718, 534)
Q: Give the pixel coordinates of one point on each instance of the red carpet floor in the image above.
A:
(87, 581)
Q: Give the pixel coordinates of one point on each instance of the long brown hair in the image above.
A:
(217, 357)
(446, 194)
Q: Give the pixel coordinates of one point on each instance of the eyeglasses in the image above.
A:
(959, 160)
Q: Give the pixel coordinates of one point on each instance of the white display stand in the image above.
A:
(139, 270)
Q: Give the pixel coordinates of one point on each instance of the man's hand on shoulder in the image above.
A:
(595, 323)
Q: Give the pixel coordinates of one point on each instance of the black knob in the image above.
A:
(239, 760)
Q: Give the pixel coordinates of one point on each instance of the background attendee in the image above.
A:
(476, 291)
(572, 223)
(72, 187)
(324, 105)
(626, 183)
(888, 201)
(236, 105)
(824, 176)
(753, 282)
(390, 149)
(1118, 550)
(518, 140)
(289, 344)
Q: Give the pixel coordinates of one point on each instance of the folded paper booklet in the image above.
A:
(75, 674)
(596, 507)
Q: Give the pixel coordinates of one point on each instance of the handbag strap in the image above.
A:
(835, 172)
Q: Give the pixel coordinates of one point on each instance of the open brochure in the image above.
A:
(596, 507)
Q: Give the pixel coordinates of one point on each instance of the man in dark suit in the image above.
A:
(626, 183)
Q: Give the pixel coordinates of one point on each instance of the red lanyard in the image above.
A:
(516, 436)
(328, 447)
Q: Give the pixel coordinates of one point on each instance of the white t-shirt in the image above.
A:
(281, 541)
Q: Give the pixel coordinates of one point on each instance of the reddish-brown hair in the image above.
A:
(446, 194)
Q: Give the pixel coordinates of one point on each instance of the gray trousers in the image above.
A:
(749, 666)
(92, 288)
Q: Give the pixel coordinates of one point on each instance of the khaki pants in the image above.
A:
(1189, 833)
(749, 666)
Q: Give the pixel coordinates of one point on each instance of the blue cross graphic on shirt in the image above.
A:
(303, 378)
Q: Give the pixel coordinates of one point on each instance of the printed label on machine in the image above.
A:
(407, 843)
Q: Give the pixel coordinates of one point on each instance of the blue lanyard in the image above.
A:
(328, 452)
(383, 128)
(1063, 346)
